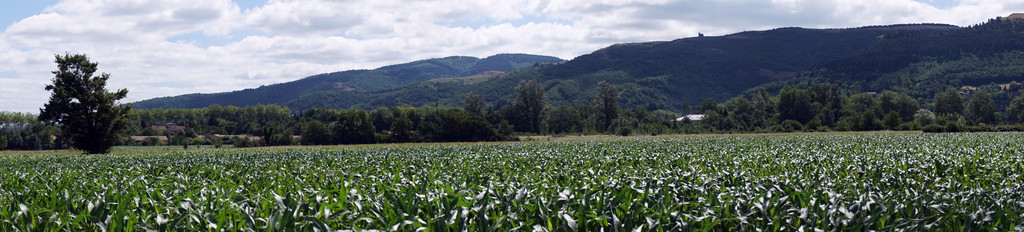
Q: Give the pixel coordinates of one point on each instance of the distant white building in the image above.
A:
(692, 117)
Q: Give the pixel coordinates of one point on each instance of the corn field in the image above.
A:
(885, 182)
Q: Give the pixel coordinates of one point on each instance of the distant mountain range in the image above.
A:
(358, 81)
(919, 59)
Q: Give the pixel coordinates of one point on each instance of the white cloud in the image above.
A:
(302, 17)
(284, 40)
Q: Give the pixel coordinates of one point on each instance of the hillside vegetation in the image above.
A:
(923, 63)
(354, 82)
(657, 75)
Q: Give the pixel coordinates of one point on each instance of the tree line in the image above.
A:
(820, 107)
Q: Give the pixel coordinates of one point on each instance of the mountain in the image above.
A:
(658, 75)
(355, 81)
(918, 59)
(921, 64)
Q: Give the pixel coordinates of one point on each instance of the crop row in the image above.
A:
(810, 182)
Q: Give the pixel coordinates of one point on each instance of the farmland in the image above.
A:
(962, 181)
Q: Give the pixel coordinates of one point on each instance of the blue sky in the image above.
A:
(158, 48)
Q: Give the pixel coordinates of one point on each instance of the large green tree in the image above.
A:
(1015, 112)
(795, 104)
(900, 103)
(315, 133)
(474, 104)
(605, 105)
(563, 119)
(531, 101)
(981, 108)
(353, 127)
(89, 116)
(949, 103)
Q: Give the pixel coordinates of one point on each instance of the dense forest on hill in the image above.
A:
(353, 82)
(657, 75)
(919, 60)
(923, 63)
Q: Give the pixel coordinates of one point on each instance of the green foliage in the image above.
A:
(792, 125)
(606, 105)
(795, 105)
(474, 104)
(21, 131)
(981, 108)
(315, 133)
(657, 75)
(892, 120)
(152, 141)
(401, 129)
(924, 117)
(563, 119)
(625, 131)
(353, 127)
(949, 103)
(341, 90)
(1015, 112)
(882, 182)
(903, 105)
(531, 101)
(80, 103)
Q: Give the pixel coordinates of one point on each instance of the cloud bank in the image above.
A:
(163, 48)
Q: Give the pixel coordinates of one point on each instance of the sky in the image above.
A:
(157, 48)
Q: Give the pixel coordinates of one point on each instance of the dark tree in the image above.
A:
(401, 129)
(531, 100)
(891, 120)
(981, 108)
(795, 104)
(353, 127)
(1015, 112)
(903, 104)
(708, 104)
(315, 133)
(605, 105)
(742, 114)
(474, 104)
(564, 119)
(90, 119)
(949, 103)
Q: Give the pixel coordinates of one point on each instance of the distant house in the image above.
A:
(141, 138)
(692, 117)
(169, 127)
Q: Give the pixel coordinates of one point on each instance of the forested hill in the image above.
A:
(923, 63)
(356, 81)
(659, 75)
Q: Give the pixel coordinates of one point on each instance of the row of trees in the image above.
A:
(89, 119)
(22, 131)
(475, 121)
(824, 107)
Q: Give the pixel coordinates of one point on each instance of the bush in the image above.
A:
(912, 125)
(953, 126)
(243, 142)
(933, 128)
(1006, 128)
(151, 141)
(792, 125)
(625, 131)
